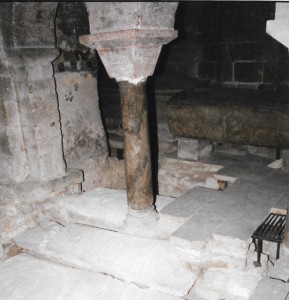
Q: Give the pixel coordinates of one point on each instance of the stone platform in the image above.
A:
(201, 250)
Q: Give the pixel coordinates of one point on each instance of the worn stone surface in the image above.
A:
(225, 284)
(110, 173)
(137, 146)
(285, 160)
(269, 288)
(178, 176)
(29, 107)
(156, 264)
(175, 176)
(108, 208)
(33, 25)
(230, 115)
(193, 149)
(84, 138)
(21, 204)
(135, 37)
(130, 15)
(26, 277)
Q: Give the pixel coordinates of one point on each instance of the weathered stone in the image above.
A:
(231, 115)
(129, 47)
(177, 176)
(193, 149)
(21, 203)
(132, 40)
(110, 173)
(219, 283)
(269, 288)
(156, 263)
(84, 138)
(27, 277)
(33, 25)
(285, 160)
(137, 152)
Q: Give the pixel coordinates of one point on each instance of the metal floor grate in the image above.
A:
(271, 229)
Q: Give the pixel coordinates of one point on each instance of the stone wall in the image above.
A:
(32, 164)
(84, 138)
(227, 45)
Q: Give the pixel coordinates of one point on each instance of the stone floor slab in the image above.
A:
(269, 289)
(146, 262)
(26, 277)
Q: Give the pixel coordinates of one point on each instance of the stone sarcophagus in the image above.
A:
(250, 117)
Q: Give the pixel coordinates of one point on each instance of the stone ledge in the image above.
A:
(35, 190)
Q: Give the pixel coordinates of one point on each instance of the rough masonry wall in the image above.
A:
(31, 156)
(226, 44)
(84, 138)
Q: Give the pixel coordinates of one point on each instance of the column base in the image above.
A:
(142, 222)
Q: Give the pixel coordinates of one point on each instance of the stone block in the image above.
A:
(218, 283)
(130, 15)
(285, 160)
(34, 26)
(83, 133)
(266, 152)
(240, 116)
(146, 262)
(193, 149)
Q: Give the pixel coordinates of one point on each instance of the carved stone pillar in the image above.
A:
(32, 168)
(129, 38)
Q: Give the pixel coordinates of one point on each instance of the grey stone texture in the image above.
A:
(134, 33)
(32, 165)
(285, 160)
(193, 149)
(84, 139)
(124, 16)
(240, 116)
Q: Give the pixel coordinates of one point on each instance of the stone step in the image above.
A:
(26, 277)
(148, 263)
(107, 208)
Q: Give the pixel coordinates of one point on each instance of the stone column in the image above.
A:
(129, 38)
(136, 145)
(278, 29)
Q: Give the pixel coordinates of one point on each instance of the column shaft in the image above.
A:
(136, 146)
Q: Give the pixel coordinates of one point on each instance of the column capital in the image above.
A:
(129, 36)
(129, 55)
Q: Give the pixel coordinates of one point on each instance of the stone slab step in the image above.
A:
(26, 277)
(150, 263)
(107, 208)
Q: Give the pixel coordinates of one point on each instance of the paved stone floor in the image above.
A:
(199, 250)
